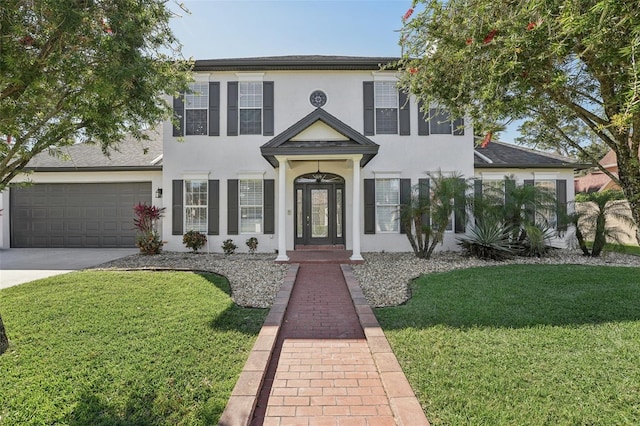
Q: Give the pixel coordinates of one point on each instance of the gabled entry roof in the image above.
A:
(299, 140)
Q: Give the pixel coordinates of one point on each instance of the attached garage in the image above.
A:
(76, 214)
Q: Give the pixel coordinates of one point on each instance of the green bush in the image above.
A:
(252, 243)
(536, 242)
(487, 240)
(228, 246)
(194, 240)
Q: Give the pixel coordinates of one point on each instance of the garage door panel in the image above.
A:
(76, 215)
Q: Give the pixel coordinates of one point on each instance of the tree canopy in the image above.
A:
(82, 71)
(555, 61)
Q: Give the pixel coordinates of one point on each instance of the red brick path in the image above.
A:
(322, 371)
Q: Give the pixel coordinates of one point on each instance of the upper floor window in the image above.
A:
(386, 104)
(196, 109)
(437, 121)
(250, 106)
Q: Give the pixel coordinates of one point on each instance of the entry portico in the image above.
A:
(319, 198)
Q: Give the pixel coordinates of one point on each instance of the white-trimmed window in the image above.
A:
(386, 104)
(251, 206)
(195, 205)
(197, 108)
(547, 215)
(250, 107)
(493, 191)
(388, 205)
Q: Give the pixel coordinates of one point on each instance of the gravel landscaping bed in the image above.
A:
(384, 277)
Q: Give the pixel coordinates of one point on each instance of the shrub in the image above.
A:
(536, 242)
(194, 240)
(146, 220)
(252, 243)
(487, 240)
(229, 247)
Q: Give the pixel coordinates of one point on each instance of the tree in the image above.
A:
(538, 135)
(82, 71)
(559, 61)
(590, 219)
(425, 217)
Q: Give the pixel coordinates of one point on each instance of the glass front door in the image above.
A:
(319, 212)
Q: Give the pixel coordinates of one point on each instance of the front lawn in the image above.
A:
(120, 348)
(522, 345)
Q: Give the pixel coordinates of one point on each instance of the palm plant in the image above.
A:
(487, 240)
(426, 217)
(593, 216)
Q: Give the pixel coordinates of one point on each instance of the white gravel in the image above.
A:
(384, 277)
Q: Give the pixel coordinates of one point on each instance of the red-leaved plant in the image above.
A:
(147, 238)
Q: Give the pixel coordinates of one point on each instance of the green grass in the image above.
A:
(620, 248)
(122, 348)
(522, 345)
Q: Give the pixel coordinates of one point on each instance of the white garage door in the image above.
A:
(76, 214)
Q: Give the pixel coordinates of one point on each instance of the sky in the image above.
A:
(214, 29)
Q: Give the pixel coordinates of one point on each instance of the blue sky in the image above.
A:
(235, 28)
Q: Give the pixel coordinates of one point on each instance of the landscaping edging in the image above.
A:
(242, 403)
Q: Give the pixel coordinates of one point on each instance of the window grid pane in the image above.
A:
(439, 122)
(250, 94)
(196, 109)
(388, 205)
(386, 121)
(386, 94)
(250, 206)
(195, 205)
(250, 121)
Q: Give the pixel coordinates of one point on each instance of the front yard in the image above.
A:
(116, 348)
(522, 345)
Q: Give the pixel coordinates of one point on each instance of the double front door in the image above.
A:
(319, 218)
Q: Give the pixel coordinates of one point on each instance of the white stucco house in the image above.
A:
(297, 151)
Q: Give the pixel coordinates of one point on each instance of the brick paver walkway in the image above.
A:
(322, 371)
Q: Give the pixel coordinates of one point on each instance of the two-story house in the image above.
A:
(302, 151)
(296, 151)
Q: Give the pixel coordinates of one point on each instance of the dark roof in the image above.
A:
(128, 155)
(294, 62)
(356, 143)
(501, 155)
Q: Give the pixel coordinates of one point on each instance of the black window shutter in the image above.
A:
(177, 207)
(561, 198)
(424, 191)
(477, 199)
(269, 202)
(214, 108)
(178, 112)
(458, 127)
(213, 208)
(460, 216)
(369, 108)
(267, 108)
(405, 114)
(232, 108)
(423, 122)
(509, 186)
(232, 207)
(369, 206)
(405, 199)
(530, 211)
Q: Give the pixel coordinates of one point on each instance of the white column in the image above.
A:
(282, 210)
(356, 202)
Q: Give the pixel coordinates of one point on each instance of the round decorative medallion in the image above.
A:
(318, 98)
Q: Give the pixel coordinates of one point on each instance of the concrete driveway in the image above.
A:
(19, 266)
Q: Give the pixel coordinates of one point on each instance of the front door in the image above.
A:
(319, 210)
